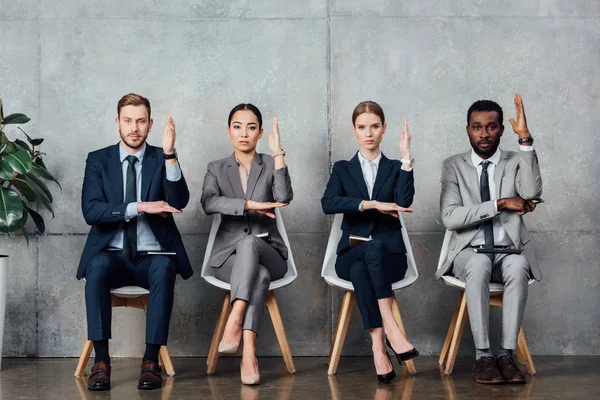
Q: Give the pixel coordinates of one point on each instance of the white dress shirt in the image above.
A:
(369, 171)
(501, 238)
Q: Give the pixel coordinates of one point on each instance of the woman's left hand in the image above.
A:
(405, 142)
(274, 138)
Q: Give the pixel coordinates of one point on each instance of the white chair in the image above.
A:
(328, 273)
(126, 296)
(460, 317)
(208, 275)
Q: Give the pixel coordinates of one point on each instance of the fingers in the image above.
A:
(278, 204)
(267, 213)
(512, 123)
(276, 125)
(405, 125)
(402, 209)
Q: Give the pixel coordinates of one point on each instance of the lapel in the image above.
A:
(148, 167)
(500, 171)
(255, 172)
(115, 171)
(234, 177)
(357, 176)
(471, 175)
(385, 167)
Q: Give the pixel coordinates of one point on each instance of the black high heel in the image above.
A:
(408, 355)
(387, 378)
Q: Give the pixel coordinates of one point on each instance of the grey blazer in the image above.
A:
(222, 193)
(517, 174)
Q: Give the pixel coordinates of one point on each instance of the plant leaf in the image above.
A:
(39, 185)
(22, 144)
(6, 171)
(19, 161)
(10, 146)
(38, 220)
(36, 142)
(24, 188)
(11, 210)
(40, 192)
(29, 139)
(41, 170)
(16, 118)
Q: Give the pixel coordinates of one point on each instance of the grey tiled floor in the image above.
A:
(559, 377)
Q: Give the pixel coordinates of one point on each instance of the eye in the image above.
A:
(252, 128)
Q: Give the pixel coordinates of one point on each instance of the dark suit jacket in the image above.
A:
(347, 188)
(103, 207)
(222, 193)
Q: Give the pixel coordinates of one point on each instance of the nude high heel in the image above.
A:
(249, 379)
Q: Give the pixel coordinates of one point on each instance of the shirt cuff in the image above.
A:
(131, 211)
(526, 148)
(407, 170)
(496, 207)
(360, 206)
(173, 172)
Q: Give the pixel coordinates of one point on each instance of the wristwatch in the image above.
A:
(527, 139)
(410, 162)
(280, 153)
(170, 156)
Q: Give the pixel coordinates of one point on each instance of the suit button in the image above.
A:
(235, 212)
(245, 230)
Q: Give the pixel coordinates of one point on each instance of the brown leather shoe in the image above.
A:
(485, 371)
(509, 370)
(150, 377)
(100, 377)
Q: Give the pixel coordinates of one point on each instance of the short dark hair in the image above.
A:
(485, 105)
(368, 107)
(133, 99)
(246, 106)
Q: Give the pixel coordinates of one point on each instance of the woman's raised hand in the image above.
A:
(274, 138)
(405, 142)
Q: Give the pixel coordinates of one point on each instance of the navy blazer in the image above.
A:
(103, 207)
(347, 188)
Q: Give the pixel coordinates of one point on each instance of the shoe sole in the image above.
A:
(488, 381)
(98, 389)
(516, 381)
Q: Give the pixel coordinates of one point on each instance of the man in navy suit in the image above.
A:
(130, 192)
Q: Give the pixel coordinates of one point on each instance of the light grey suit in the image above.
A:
(239, 257)
(462, 212)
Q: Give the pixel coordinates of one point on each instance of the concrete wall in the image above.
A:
(66, 63)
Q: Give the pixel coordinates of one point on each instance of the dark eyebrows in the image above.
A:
(249, 123)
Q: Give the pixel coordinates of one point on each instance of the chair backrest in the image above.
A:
(207, 271)
(328, 270)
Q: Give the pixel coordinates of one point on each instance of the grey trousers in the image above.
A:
(250, 270)
(477, 271)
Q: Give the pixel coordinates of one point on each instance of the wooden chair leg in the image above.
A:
(410, 364)
(343, 323)
(520, 354)
(446, 346)
(88, 346)
(522, 343)
(165, 358)
(213, 352)
(458, 332)
(337, 327)
(273, 308)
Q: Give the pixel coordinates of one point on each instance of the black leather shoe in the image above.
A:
(387, 378)
(407, 355)
(509, 370)
(150, 377)
(100, 377)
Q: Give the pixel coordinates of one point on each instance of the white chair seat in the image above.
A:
(208, 273)
(129, 292)
(328, 271)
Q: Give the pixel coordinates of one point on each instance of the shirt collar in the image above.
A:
(495, 159)
(364, 161)
(140, 154)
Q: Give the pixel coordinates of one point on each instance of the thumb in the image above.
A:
(512, 122)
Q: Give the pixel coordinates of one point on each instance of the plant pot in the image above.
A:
(3, 288)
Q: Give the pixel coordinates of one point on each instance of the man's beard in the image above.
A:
(486, 153)
(125, 139)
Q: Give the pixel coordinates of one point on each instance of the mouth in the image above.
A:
(484, 144)
(369, 141)
(134, 137)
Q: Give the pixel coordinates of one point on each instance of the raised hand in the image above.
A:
(274, 138)
(520, 125)
(405, 142)
(168, 140)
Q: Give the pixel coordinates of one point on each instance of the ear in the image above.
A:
(467, 129)
(228, 133)
(117, 122)
(501, 130)
(150, 123)
(260, 133)
(384, 128)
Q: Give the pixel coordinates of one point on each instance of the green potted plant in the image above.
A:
(22, 190)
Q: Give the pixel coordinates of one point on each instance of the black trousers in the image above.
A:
(372, 269)
(107, 270)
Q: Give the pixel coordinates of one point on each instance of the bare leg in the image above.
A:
(380, 358)
(249, 363)
(233, 328)
(392, 331)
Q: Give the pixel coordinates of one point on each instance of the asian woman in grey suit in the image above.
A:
(245, 188)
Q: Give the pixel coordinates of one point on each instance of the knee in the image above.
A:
(359, 272)
(162, 268)
(374, 252)
(247, 243)
(263, 277)
(516, 268)
(478, 268)
(97, 268)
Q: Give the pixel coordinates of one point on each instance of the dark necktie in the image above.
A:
(488, 226)
(130, 230)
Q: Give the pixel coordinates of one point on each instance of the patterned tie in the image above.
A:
(488, 226)
(130, 230)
